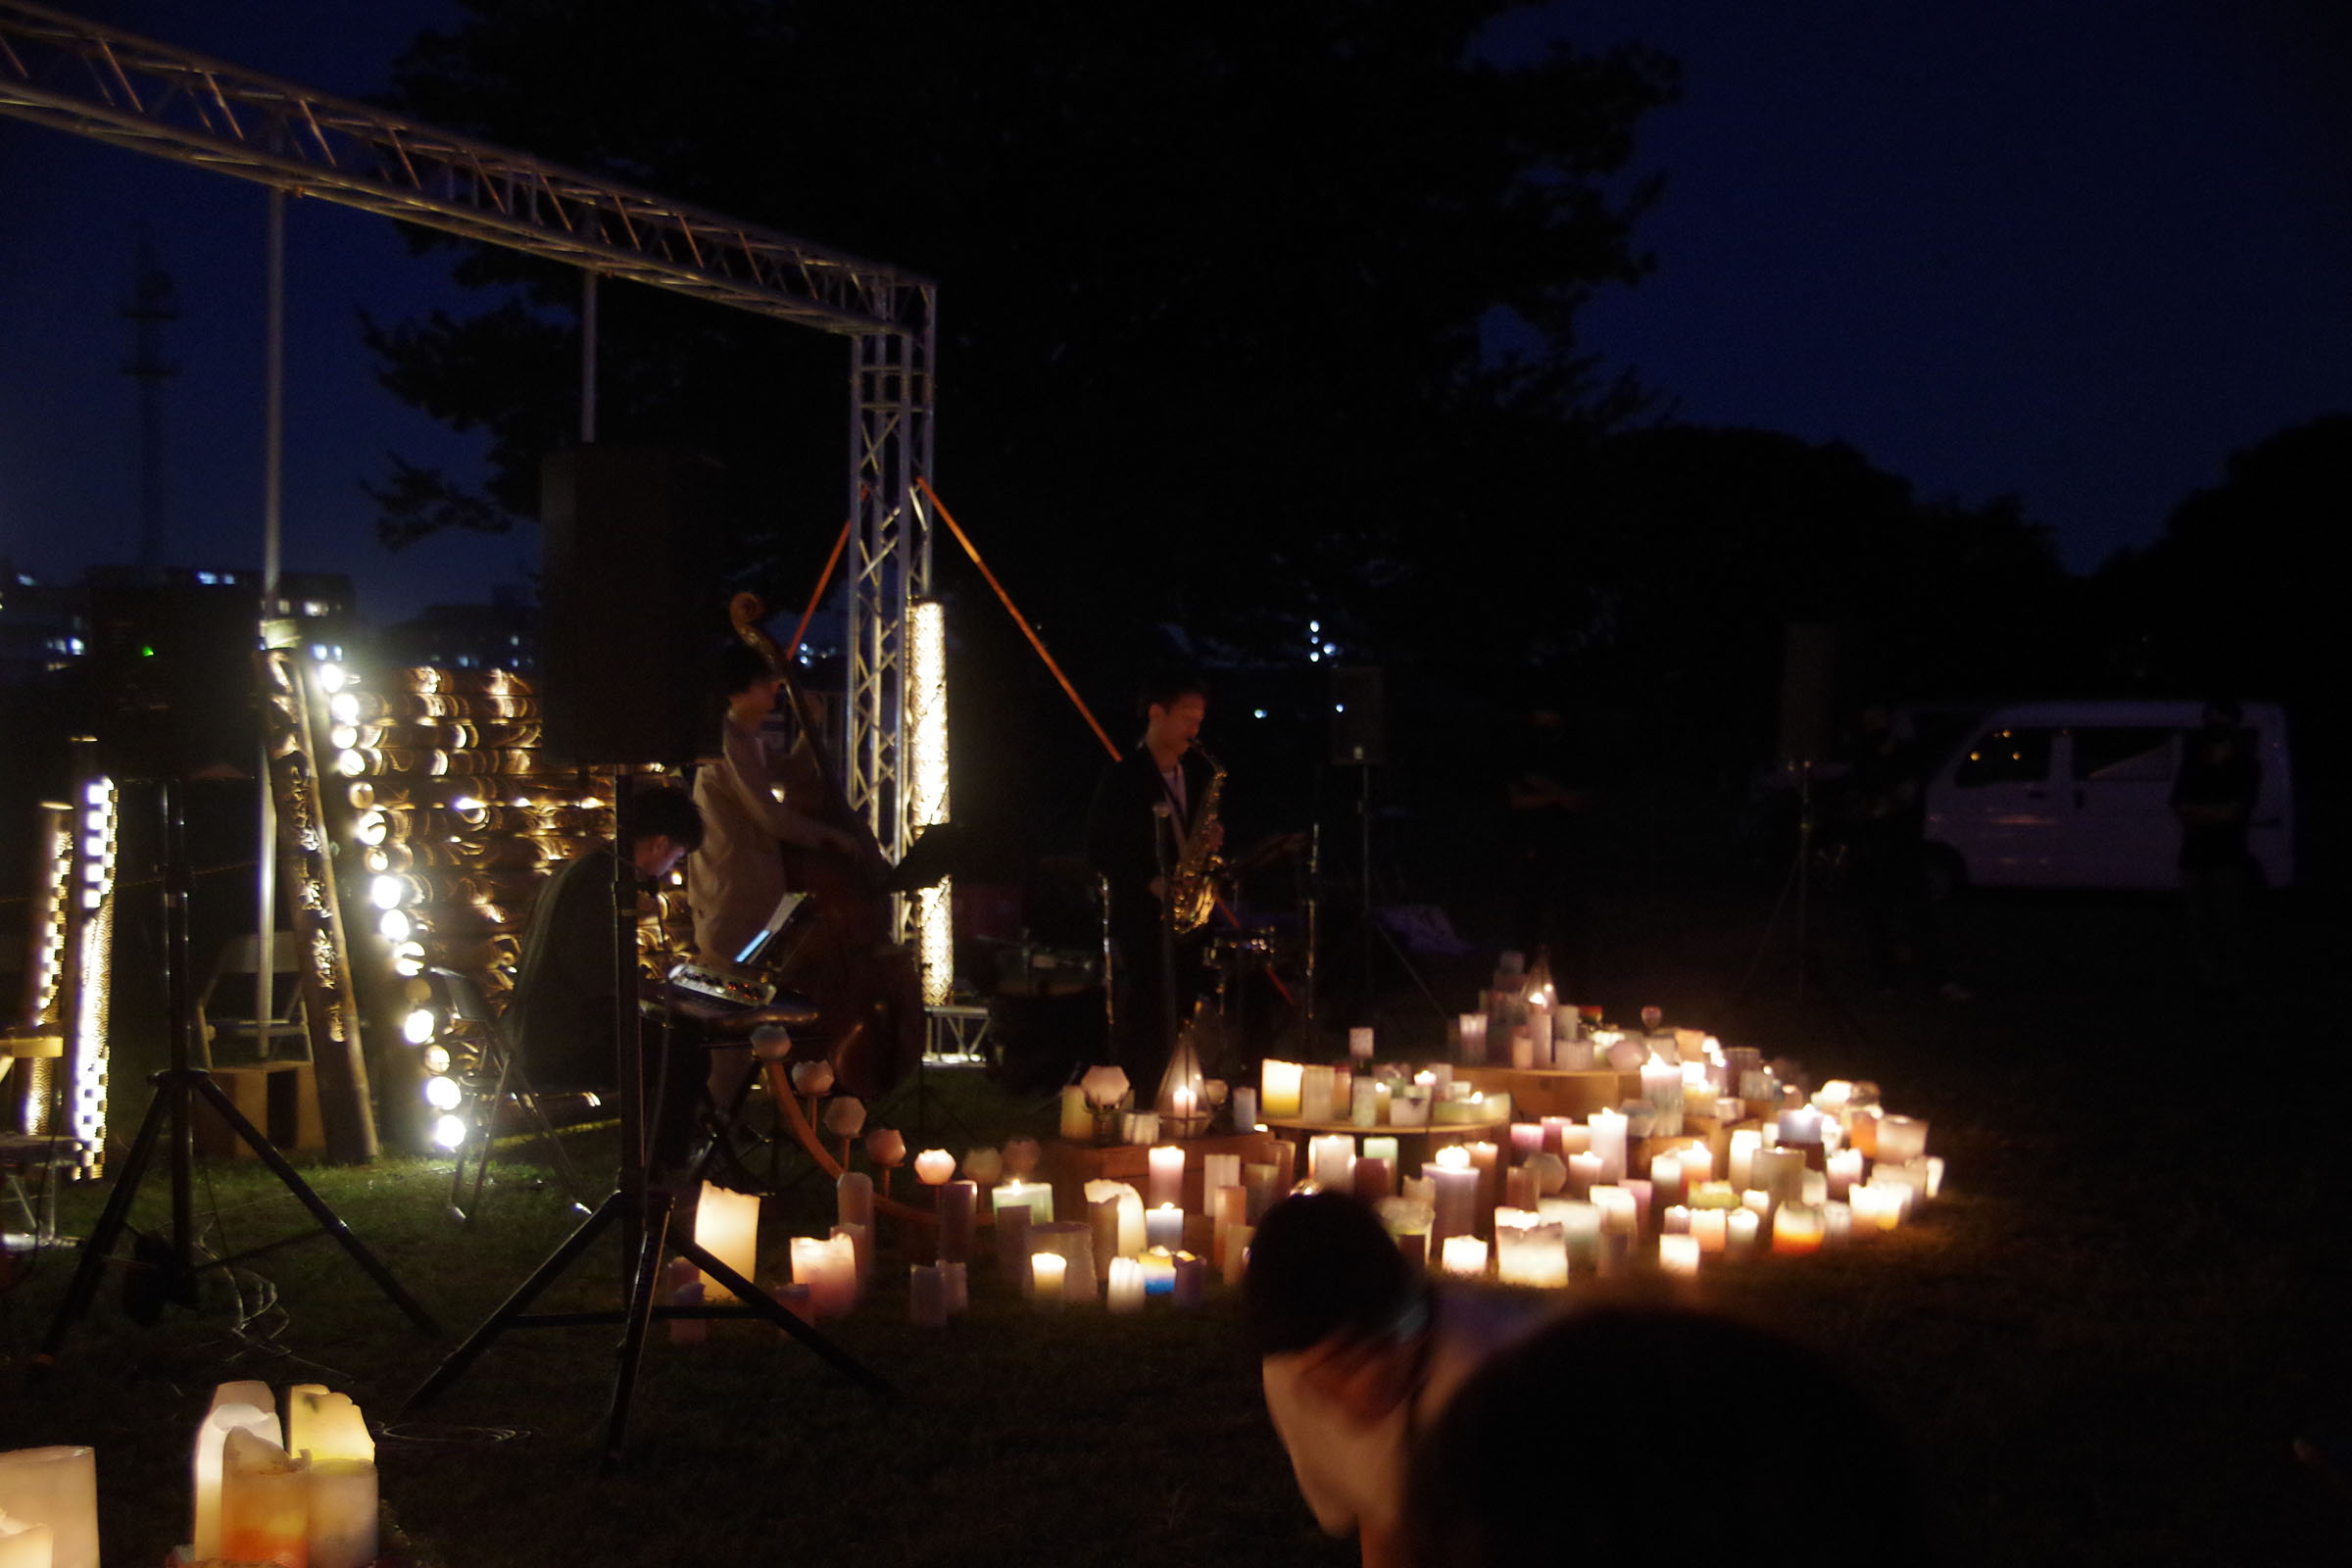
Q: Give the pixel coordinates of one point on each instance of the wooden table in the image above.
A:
(1414, 1145)
(1068, 1166)
(1537, 1092)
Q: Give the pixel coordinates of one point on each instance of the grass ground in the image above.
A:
(2103, 1341)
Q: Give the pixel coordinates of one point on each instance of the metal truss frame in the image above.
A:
(63, 72)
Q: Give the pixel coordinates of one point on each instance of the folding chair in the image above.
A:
(498, 1076)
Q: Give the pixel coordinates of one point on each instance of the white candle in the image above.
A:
(1219, 1170)
(1331, 1160)
(1164, 1226)
(1902, 1140)
(1364, 1102)
(1279, 1084)
(926, 1296)
(1166, 1181)
(1073, 1242)
(1539, 1034)
(1746, 1140)
(1523, 1048)
(1245, 1108)
(1359, 1044)
(1466, 1256)
(1662, 1087)
(25, 1544)
(245, 1405)
(855, 1244)
(1619, 1215)
(1608, 1141)
(1126, 1285)
(1315, 1088)
(1674, 1220)
(1678, 1254)
(1800, 1125)
(1230, 1207)
(1103, 1214)
(1876, 1206)
(1531, 1255)
(1408, 1106)
(726, 1225)
(1707, 1227)
(1698, 1165)
(1584, 1173)
(1077, 1119)
(1780, 1172)
(1666, 1178)
(264, 1501)
(1129, 1240)
(342, 1513)
(1456, 1203)
(1182, 1103)
(1046, 1270)
(57, 1487)
(1472, 1028)
(1739, 1229)
(325, 1425)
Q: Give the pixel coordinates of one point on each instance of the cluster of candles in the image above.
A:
(1358, 1094)
(297, 1488)
(1800, 1172)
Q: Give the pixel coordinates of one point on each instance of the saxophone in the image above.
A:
(1193, 887)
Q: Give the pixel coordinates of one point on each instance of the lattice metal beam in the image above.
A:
(890, 435)
(61, 71)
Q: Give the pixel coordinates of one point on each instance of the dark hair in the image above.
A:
(1321, 1263)
(740, 665)
(1474, 1480)
(666, 813)
(1164, 688)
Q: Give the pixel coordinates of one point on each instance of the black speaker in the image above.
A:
(1358, 729)
(632, 602)
(1808, 677)
(173, 681)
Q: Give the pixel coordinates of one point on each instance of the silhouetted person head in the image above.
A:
(1775, 1425)
(1323, 1267)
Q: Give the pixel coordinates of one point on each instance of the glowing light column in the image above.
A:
(94, 881)
(927, 792)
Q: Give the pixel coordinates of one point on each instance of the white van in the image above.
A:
(2077, 795)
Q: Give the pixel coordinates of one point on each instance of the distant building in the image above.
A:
(43, 627)
(502, 634)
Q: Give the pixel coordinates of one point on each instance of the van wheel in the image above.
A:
(1945, 871)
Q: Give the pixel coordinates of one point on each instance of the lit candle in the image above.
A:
(1073, 1242)
(236, 1406)
(726, 1225)
(1408, 1106)
(1662, 1087)
(1487, 1159)
(1666, 1177)
(342, 1512)
(1535, 1255)
(325, 1425)
(1584, 1173)
(1740, 1228)
(1539, 1034)
(1746, 1140)
(1878, 1205)
(56, 1487)
(1698, 1165)
(1800, 1125)
(1280, 1087)
(1608, 1141)
(1780, 1172)
(25, 1544)
(1103, 1214)
(1674, 1220)
(1183, 1103)
(856, 1243)
(1837, 1224)
(1796, 1229)
(926, 1296)
(1548, 1172)
(1712, 1195)
(1619, 1215)
(1231, 1207)
(1163, 1227)
(265, 1503)
(1129, 1240)
(1466, 1257)
(1159, 1272)
(1046, 1270)
(1707, 1227)
(1036, 1197)
(1471, 1027)
(1455, 1203)
(1166, 1182)
(1126, 1285)
(1331, 1160)
(1902, 1140)
(1523, 1048)
(1678, 1254)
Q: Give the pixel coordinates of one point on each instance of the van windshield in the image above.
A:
(2124, 756)
(2006, 757)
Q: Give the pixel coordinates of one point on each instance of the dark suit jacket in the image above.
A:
(1121, 828)
(562, 1016)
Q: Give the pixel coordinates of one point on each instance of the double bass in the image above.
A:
(846, 957)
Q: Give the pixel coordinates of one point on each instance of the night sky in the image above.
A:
(2001, 248)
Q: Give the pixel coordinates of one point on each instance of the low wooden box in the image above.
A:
(1070, 1166)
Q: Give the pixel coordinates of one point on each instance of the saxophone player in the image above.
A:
(1150, 808)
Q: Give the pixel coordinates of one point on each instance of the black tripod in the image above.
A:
(1371, 935)
(640, 1210)
(1811, 984)
(171, 1116)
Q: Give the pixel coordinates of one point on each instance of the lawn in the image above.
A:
(2102, 1342)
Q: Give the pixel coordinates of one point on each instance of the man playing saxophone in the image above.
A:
(1154, 830)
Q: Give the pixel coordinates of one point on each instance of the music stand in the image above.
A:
(641, 1211)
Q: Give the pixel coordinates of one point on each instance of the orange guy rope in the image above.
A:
(823, 578)
(1015, 610)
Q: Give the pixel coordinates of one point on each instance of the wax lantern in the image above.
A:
(1471, 1029)
(1697, 1162)
(1878, 1205)
(828, 1271)
(245, 1405)
(1584, 1173)
(1220, 1170)
(1902, 1140)
(1780, 1172)
(1464, 1257)
(25, 1544)
(1316, 1086)
(770, 1043)
(265, 1503)
(1359, 1044)
(1105, 1087)
(325, 1425)
(1531, 1255)
(1102, 1217)
(342, 1513)
(1045, 1272)
(1796, 1229)
(56, 1488)
(1620, 1215)
(845, 1115)
(1740, 1228)
(1077, 1117)
(1408, 1106)
(1280, 1088)
(1125, 1287)
(1678, 1254)
(1163, 1227)
(1073, 1242)
(1539, 1032)
(726, 1225)
(1627, 1054)
(926, 1296)
(1165, 1166)
(886, 1147)
(812, 1078)
(1813, 1187)
(1364, 1101)
(1674, 1220)
(1662, 1087)
(1746, 1140)
(1131, 1214)
(1713, 1194)
(934, 1166)
(1708, 1228)
(984, 1166)
(1608, 1132)
(1800, 1125)
(1021, 1156)
(860, 1239)
(1331, 1160)
(1666, 1177)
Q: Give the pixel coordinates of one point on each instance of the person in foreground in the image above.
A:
(1359, 1355)
(1757, 1430)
